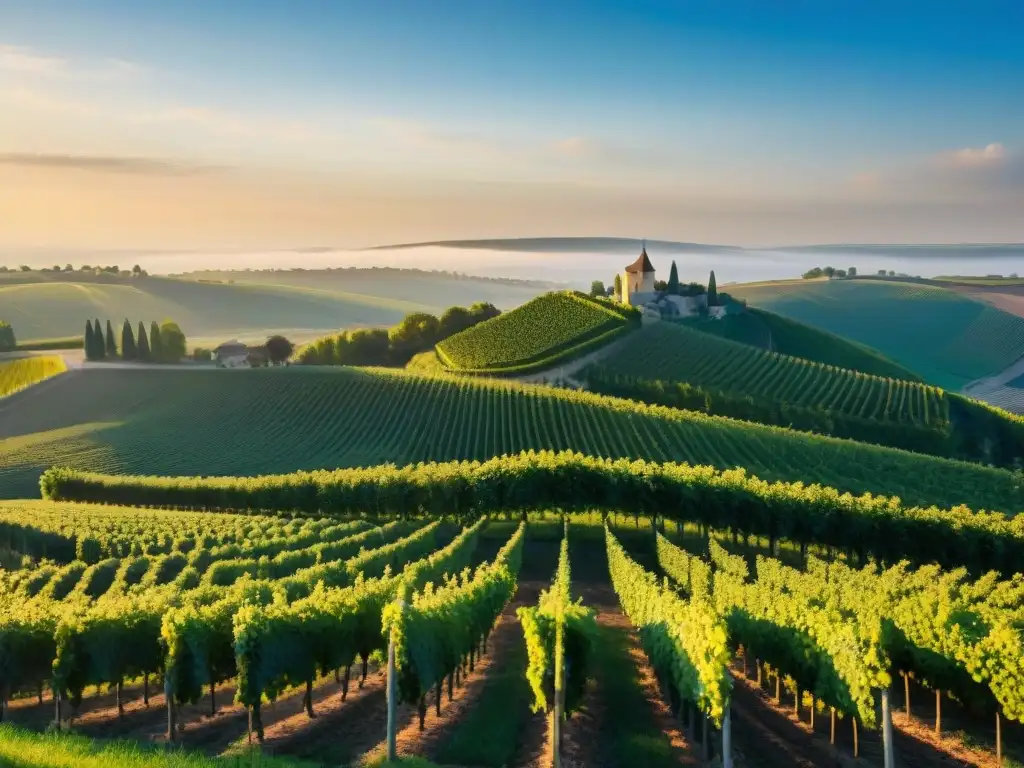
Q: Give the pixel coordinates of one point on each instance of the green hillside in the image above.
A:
(776, 333)
(945, 337)
(248, 310)
(680, 367)
(537, 334)
(671, 352)
(212, 422)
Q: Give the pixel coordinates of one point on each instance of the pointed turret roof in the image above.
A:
(642, 263)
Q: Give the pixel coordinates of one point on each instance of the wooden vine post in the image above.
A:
(727, 737)
(887, 746)
(392, 690)
(999, 739)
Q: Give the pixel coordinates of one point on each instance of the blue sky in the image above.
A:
(354, 123)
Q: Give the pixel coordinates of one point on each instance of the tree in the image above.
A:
(7, 340)
(111, 349)
(712, 290)
(673, 280)
(25, 268)
(156, 348)
(483, 310)
(813, 274)
(881, 273)
(597, 288)
(99, 345)
(279, 349)
(829, 271)
(128, 350)
(87, 341)
(618, 288)
(660, 285)
(416, 333)
(892, 273)
(840, 273)
(68, 268)
(142, 343)
(453, 320)
(173, 345)
(852, 272)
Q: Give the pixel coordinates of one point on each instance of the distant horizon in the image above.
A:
(480, 243)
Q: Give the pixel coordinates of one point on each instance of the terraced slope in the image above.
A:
(213, 422)
(537, 334)
(680, 353)
(945, 337)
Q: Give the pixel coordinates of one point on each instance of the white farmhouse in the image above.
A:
(232, 354)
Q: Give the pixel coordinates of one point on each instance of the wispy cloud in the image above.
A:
(989, 170)
(29, 63)
(971, 157)
(107, 164)
(22, 60)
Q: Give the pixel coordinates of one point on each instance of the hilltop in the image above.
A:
(541, 333)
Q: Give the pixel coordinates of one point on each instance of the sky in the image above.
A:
(265, 124)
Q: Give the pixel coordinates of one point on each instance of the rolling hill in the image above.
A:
(678, 366)
(215, 422)
(536, 335)
(216, 310)
(946, 338)
(776, 333)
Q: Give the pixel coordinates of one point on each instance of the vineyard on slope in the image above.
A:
(676, 366)
(947, 338)
(537, 334)
(775, 333)
(182, 422)
(16, 375)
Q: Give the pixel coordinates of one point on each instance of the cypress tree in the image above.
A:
(111, 343)
(142, 348)
(87, 344)
(712, 290)
(673, 281)
(128, 351)
(156, 351)
(99, 347)
(618, 288)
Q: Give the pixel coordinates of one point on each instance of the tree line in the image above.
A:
(395, 346)
(165, 342)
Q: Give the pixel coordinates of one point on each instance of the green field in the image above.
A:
(946, 338)
(679, 353)
(211, 422)
(217, 311)
(536, 334)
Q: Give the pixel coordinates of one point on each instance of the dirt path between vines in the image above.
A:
(586, 734)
